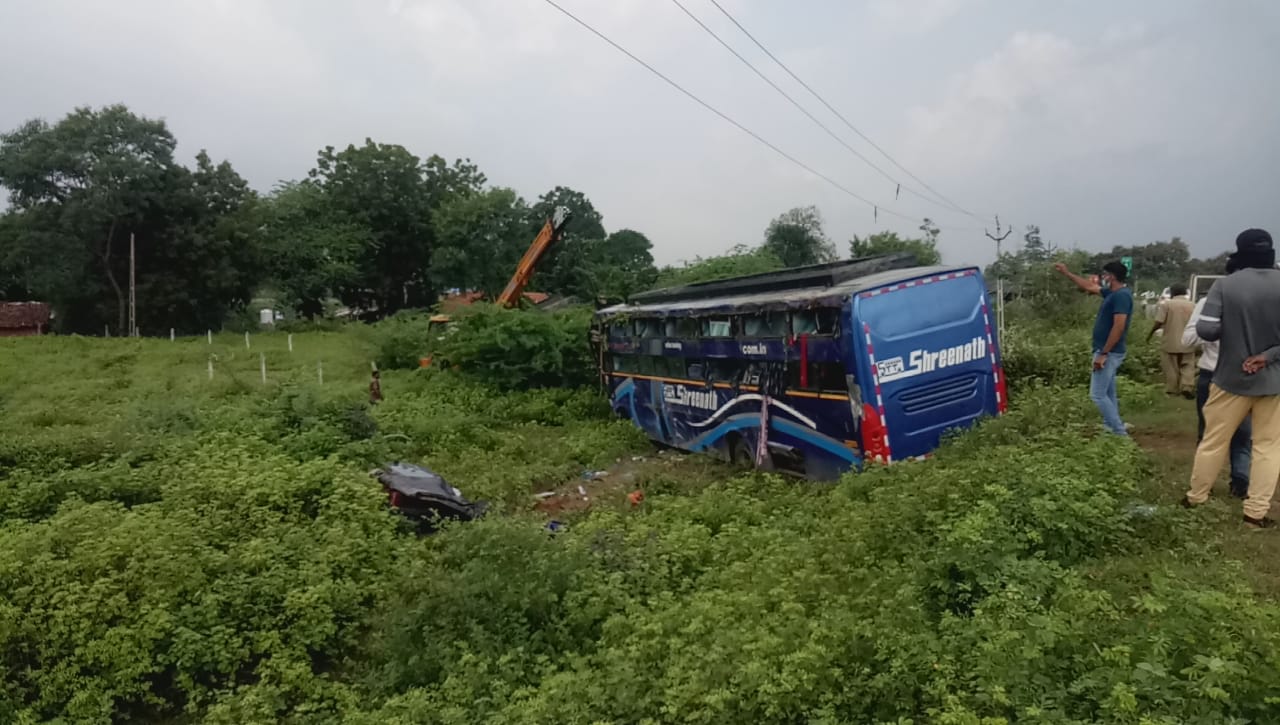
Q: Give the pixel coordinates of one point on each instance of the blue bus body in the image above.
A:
(876, 367)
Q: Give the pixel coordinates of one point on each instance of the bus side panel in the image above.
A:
(929, 359)
(704, 418)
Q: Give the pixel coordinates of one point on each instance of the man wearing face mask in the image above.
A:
(1241, 442)
(1242, 314)
(1109, 332)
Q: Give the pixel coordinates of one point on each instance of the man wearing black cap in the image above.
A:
(1242, 441)
(1242, 314)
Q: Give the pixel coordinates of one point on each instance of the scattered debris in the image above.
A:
(582, 490)
(636, 498)
(544, 494)
(594, 475)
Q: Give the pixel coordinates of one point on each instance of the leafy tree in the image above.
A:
(479, 240)
(382, 188)
(925, 249)
(624, 264)
(796, 238)
(738, 261)
(81, 187)
(1155, 265)
(199, 261)
(310, 250)
(445, 181)
(585, 221)
(567, 268)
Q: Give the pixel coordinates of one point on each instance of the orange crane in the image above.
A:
(550, 233)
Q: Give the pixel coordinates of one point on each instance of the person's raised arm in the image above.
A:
(1087, 285)
(1209, 327)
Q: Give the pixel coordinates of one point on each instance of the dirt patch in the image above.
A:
(613, 487)
(1160, 442)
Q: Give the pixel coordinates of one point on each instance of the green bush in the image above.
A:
(175, 549)
(966, 589)
(402, 340)
(517, 349)
(246, 568)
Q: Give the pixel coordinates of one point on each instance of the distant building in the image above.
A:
(20, 319)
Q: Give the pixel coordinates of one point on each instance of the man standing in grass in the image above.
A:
(1177, 359)
(1242, 314)
(1109, 332)
(1241, 441)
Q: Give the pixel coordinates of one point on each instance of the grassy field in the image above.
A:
(180, 549)
(1165, 428)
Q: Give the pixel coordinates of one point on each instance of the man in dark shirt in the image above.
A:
(1109, 332)
(1242, 314)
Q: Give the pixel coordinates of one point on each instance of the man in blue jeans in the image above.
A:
(1109, 332)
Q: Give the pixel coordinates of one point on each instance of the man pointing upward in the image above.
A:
(1109, 331)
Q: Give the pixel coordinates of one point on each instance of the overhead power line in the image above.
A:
(841, 116)
(876, 208)
(840, 140)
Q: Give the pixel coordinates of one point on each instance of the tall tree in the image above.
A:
(624, 264)
(447, 181)
(311, 251)
(796, 237)
(567, 268)
(480, 238)
(81, 186)
(925, 250)
(198, 255)
(381, 187)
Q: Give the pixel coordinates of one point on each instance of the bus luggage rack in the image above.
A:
(816, 275)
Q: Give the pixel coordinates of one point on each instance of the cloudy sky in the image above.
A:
(1103, 122)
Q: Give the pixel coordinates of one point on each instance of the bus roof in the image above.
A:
(809, 292)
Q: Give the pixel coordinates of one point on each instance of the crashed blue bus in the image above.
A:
(812, 370)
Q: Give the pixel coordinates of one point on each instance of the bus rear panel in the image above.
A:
(928, 360)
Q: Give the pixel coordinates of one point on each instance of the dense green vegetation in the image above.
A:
(214, 550)
(182, 541)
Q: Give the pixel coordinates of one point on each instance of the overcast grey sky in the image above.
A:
(1103, 122)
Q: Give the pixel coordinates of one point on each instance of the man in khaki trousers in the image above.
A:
(1177, 360)
(1242, 314)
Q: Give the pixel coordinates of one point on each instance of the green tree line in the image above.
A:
(374, 227)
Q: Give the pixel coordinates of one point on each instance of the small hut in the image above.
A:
(20, 319)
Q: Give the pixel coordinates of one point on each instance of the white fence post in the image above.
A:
(246, 340)
(209, 334)
(290, 342)
(211, 368)
(262, 363)
(320, 371)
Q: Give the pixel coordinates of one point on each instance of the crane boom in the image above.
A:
(524, 271)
